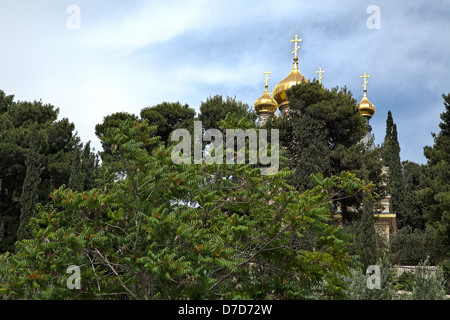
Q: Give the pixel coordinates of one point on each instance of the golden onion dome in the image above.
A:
(266, 104)
(365, 107)
(295, 77)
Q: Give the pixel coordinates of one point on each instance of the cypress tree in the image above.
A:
(30, 197)
(89, 166)
(365, 243)
(391, 159)
(413, 212)
(387, 146)
(76, 177)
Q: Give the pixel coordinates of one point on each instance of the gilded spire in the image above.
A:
(266, 105)
(295, 77)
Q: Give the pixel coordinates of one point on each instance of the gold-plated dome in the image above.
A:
(266, 103)
(295, 77)
(365, 107)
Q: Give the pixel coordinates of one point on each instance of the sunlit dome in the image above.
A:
(266, 103)
(365, 107)
(295, 77)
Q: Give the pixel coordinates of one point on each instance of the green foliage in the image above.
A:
(391, 159)
(76, 179)
(322, 135)
(410, 247)
(412, 211)
(358, 289)
(404, 282)
(216, 108)
(30, 197)
(166, 231)
(168, 117)
(102, 130)
(445, 265)
(20, 123)
(85, 168)
(435, 191)
(428, 285)
(365, 243)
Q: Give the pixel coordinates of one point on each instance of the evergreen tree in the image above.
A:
(413, 209)
(168, 117)
(30, 196)
(89, 167)
(391, 159)
(435, 191)
(365, 242)
(57, 141)
(76, 178)
(84, 169)
(428, 285)
(411, 246)
(216, 108)
(170, 231)
(102, 130)
(358, 287)
(322, 134)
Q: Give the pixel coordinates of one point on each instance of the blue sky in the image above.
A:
(128, 55)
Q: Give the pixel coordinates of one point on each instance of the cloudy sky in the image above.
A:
(93, 58)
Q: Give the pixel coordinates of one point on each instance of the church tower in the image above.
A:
(367, 110)
(295, 77)
(265, 106)
(385, 221)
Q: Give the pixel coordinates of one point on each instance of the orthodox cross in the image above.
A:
(267, 77)
(320, 74)
(296, 40)
(365, 76)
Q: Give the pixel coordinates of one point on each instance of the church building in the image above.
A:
(269, 103)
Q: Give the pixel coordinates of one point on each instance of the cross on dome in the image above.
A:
(296, 41)
(267, 77)
(320, 74)
(365, 76)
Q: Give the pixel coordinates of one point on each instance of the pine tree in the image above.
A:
(435, 192)
(168, 117)
(30, 196)
(217, 108)
(57, 140)
(322, 134)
